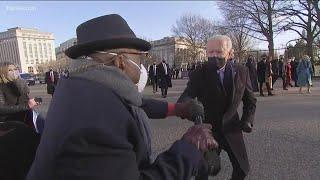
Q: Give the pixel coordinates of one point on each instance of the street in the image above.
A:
(285, 142)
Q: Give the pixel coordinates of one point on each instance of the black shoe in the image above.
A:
(285, 89)
(270, 94)
(261, 94)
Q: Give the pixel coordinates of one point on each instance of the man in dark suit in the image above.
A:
(262, 74)
(164, 78)
(282, 72)
(153, 77)
(97, 126)
(251, 65)
(220, 87)
(51, 79)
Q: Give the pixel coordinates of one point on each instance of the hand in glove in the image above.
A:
(247, 127)
(201, 136)
(189, 109)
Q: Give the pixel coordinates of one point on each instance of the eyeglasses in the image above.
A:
(120, 53)
(143, 55)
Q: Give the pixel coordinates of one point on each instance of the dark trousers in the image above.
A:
(284, 82)
(261, 90)
(237, 172)
(274, 79)
(154, 83)
(164, 91)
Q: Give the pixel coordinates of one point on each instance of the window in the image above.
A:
(25, 49)
(30, 69)
(30, 51)
(35, 50)
(45, 50)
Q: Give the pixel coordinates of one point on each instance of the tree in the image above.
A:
(316, 18)
(233, 26)
(298, 50)
(261, 18)
(302, 15)
(196, 30)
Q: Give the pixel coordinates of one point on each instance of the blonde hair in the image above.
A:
(305, 57)
(4, 68)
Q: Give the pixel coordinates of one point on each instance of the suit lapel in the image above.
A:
(237, 84)
(234, 82)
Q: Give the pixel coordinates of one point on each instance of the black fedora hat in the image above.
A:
(105, 32)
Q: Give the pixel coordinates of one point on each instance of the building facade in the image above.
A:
(26, 47)
(174, 50)
(61, 56)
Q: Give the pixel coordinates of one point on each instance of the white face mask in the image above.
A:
(143, 77)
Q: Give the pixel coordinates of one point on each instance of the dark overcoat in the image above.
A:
(220, 110)
(261, 70)
(253, 75)
(164, 80)
(90, 133)
(51, 85)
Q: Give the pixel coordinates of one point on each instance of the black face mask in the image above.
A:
(218, 61)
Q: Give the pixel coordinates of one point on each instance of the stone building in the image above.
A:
(26, 47)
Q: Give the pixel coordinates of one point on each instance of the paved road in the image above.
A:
(285, 143)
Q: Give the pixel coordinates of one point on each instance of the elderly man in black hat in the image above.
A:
(105, 133)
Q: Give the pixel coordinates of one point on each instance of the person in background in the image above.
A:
(304, 73)
(288, 73)
(105, 134)
(294, 65)
(65, 74)
(177, 71)
(20, 127)
(164, 78)
(15, 104)
(51, 80)
(269, 74)
(282, 72)
(275, 71)
(251, 65)
(261, 69)
(153, 77)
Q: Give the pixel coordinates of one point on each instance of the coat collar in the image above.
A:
(112, 78)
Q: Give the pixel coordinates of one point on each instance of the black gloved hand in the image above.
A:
(189, 109)
(247, 127)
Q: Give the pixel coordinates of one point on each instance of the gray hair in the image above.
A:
(222, 38)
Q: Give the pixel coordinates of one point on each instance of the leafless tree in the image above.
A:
(196, 30)
(302, 18)
(317, 9)
(261, 18)
(233, 26)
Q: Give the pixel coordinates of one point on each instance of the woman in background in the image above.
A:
(304, 73)
(18, 142)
